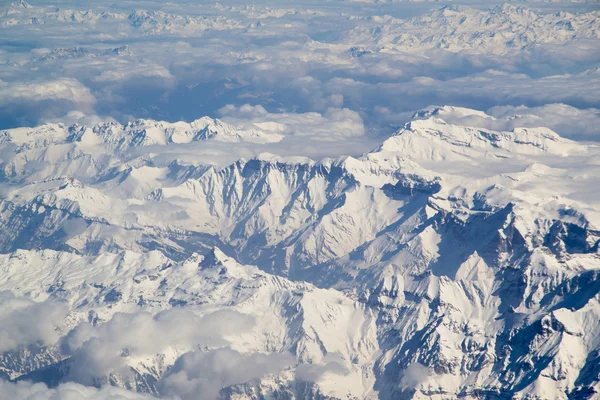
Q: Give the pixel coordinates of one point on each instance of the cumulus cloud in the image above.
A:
(480, 91)
(568, 121)
(65, 391)
(314, 135)
(201, 375)
(413, 376)
(61, 89)
(314, 82)
(334, 124)
(128, 71)
(99, 350)
(27, 103)
(331, 364)
(24, 322)
(77, 117)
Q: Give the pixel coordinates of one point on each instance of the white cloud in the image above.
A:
(27, 103)
(98, 351)
(24, 322)
(334, 124)
(66, 89)
(568, 121)
(201, 375)
(331, 364)
(78, 117)
(413, 376)
(65, 391)
(478, 90)
(288, 65)
(125, 71)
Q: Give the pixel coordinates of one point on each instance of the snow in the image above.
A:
(457, 257)
(499, 30)
(137, 133)
(452, 258)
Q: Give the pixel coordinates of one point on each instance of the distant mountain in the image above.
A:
(498, 30)
(154, 22)
(140, 132)
(143, 21)
(20, 4)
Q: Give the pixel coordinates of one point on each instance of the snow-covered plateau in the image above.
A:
(450, 261)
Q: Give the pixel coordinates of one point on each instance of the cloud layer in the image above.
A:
(66, 391)
(328, 74)
(24, 322)
(99, 351)
(201, 375)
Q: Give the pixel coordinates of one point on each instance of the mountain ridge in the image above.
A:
(470, 275)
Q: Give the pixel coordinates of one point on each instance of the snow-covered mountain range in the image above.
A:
(312, 237)
(117, 137)
(146, 22)
(497, 30)
(452, 260)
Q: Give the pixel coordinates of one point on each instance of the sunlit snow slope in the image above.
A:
(449, 261)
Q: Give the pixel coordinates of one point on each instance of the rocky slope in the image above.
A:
(450, 261)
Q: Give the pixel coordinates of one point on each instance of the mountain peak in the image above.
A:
(214, 257)
(441, 111)
(20, 4)
(509, 9)
(433, 138)
(136, 133)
